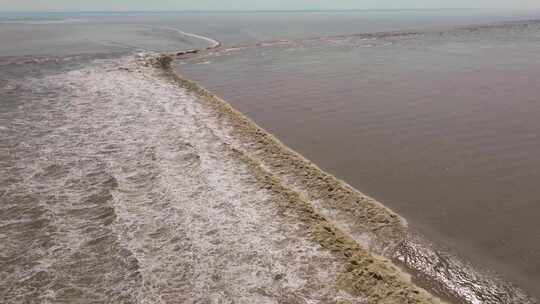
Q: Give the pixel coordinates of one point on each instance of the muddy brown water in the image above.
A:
(442, 127)
(439, 125)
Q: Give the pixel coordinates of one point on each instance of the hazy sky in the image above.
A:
(122, 5)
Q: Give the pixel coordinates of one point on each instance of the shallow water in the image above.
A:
(438, 123)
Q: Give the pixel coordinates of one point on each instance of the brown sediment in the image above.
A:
(372, 226)
(364, 217)
(366, 275)
(345, 222)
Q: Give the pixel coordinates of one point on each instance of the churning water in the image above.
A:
(437, 120)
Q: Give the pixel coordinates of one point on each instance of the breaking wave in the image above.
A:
(121, 172)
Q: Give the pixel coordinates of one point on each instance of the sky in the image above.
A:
(179, 5)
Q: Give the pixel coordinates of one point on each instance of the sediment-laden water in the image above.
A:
(120, 187)
(440, 125)
(124, 183)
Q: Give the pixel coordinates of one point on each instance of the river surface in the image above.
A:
(439, 124)
(433, 113)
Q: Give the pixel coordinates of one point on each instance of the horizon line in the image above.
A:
(262, 10)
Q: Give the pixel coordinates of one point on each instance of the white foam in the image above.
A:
(198, 223)
(213, 43)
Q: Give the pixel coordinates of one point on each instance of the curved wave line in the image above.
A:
(213, 43)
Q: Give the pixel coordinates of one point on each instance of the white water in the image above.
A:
(137, 200)
(212, 42)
